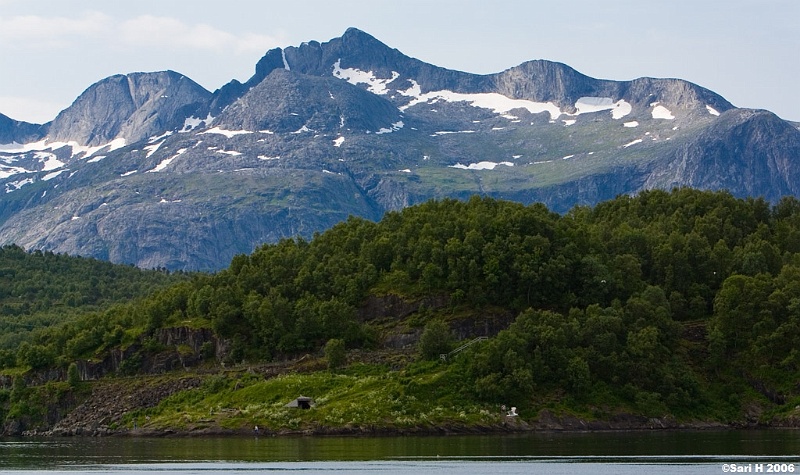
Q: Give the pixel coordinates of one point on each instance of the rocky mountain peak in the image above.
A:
(129, 106)
(289, 102)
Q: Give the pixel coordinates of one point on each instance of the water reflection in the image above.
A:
(656, 448)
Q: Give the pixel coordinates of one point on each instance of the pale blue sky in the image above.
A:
(746, 50)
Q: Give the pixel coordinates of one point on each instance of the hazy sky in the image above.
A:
(746, 50)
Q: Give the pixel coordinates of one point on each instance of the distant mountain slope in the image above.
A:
(15, 131)
(151, 169)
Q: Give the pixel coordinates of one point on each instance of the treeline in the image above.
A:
(603, 294)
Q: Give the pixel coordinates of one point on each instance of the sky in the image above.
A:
(745, 50)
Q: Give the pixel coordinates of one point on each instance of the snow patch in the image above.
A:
(129, 173)
(480, 165)
(302, 130)
(76, 148)
(661, 112)
(631, 124)
(712, 111)
(285, 63)
(232, 153)
(16, 185)
(568, 122)
(395, 127)
(632, 143)
(191, 123)
(151, 149)
(6, 172)
(498, 103)
(356, 76)
(588, 105)
(13, 147)
(407, 170)
(96, 159)
(52, 175)
(159, 137)
(226, 133)
(447, 132)
(161, 166)
(113, 145)
(264, 157)
(338, 142)
(51, 162)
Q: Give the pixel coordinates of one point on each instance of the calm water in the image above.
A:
(590, 453)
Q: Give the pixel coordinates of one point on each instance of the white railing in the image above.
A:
(466, 345)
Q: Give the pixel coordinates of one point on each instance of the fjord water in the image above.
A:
(615, 452)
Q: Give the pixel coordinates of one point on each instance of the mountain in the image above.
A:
(153, 170)
(133, 107)
(15, 131)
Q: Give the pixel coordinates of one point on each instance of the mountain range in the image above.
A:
(153, 170)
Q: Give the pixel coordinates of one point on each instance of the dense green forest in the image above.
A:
(684, 302)
(39, 290)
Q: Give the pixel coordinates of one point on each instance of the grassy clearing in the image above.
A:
(362, 396)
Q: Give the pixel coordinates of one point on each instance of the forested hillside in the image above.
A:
(684, 303)
(42, 289)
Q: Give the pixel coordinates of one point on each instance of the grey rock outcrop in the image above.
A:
(133, 106)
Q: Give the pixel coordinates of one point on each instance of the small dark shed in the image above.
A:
(302, 403)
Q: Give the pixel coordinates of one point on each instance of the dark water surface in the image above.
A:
(582, 453)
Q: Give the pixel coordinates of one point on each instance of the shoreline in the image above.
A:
(517, 426)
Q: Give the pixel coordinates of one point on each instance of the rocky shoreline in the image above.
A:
(566, 424)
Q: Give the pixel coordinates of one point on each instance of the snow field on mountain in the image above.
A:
(661, 112)
(164, 163)
(356, 76)
(480, 165)
(77, 149)
(589, 105)
(226, 133)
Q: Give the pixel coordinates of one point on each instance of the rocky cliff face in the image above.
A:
(133, 107)
(151, 169)
(751, 151)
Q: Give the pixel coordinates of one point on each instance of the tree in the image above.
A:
(335, 353)
(435, 340)
(73, 376)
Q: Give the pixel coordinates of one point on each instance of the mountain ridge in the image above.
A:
(152, 169)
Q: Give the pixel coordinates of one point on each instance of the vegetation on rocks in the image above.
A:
(679, 306)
